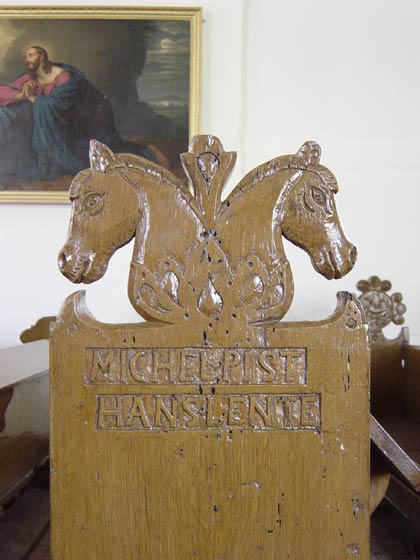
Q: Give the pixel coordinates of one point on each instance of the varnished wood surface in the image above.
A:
(390, 539)
(197, 257)
(227, 492)
(212, 430)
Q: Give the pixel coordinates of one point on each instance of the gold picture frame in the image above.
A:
(137, 49)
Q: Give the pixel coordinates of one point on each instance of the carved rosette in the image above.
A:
(380, 307)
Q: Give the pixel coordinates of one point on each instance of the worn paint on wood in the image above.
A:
(213, 431)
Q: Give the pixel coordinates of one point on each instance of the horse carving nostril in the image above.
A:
(62, 260)
(353, 254)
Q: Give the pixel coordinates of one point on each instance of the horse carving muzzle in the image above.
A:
(336, 261)
(80, 266)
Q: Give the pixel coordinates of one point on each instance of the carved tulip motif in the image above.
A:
(209, 303)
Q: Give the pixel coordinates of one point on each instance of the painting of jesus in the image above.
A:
(125, 82)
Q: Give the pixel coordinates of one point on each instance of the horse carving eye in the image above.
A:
(93, 203)
(318, 196)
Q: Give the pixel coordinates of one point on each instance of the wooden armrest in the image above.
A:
(402, 462)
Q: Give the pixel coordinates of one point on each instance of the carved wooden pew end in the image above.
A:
(213, 430)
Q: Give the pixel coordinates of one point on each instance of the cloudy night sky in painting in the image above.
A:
(164, 82)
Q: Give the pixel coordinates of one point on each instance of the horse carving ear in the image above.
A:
(101, 157)
(310, 152)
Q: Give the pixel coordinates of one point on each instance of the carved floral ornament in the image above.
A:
(197, 256)
(380, 307)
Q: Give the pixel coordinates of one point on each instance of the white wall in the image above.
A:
(277, 73)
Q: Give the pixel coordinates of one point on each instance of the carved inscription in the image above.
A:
(134, 366)
(195, 412)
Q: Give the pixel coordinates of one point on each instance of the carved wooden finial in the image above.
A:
(380, 307)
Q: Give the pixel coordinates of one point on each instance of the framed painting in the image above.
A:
(127, 77)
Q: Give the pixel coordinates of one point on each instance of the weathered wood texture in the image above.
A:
(214, 430)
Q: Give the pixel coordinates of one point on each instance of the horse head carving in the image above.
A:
(195, 256)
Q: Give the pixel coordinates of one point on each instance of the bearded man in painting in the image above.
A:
(47, 118)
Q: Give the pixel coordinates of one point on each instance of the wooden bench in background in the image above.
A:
(24, 442)
(395, 404)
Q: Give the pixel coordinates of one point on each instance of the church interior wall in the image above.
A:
(274, 74)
